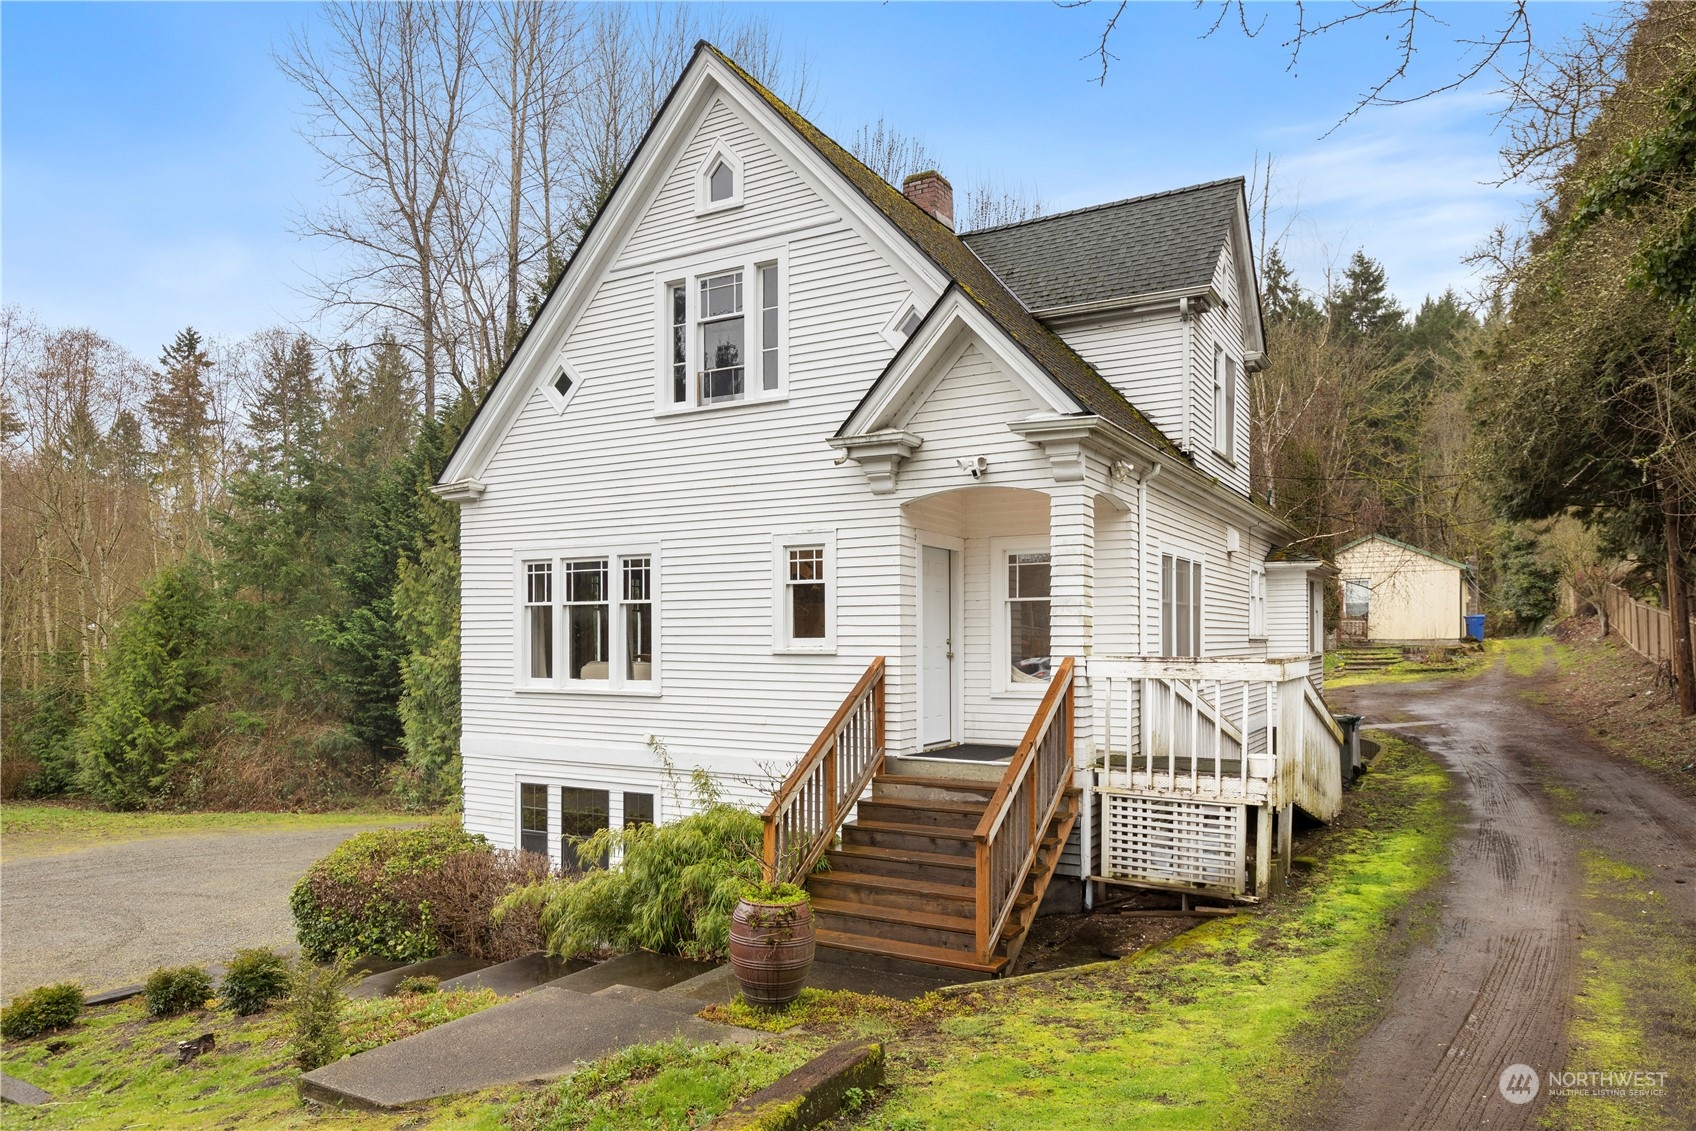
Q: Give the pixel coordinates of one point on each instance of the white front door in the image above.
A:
(936, 646)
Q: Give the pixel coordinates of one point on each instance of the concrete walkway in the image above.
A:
(538, 1036)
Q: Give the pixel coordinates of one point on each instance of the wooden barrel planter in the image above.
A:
(771, 949)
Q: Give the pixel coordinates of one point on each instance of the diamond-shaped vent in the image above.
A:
(562, 383)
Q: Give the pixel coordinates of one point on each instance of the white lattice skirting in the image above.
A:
(1168, 841)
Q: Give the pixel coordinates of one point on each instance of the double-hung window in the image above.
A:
(588, 620)
(533, 818)
(804, 591)
(1257, 602)
(1027, 616)
(724, 338)
(1180, 606)
(1224, 405)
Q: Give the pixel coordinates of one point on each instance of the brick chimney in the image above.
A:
(931, 191)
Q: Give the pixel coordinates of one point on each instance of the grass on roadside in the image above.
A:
(1237, 1023)
(1635, 1006)
(35, 828)
(116, 1068)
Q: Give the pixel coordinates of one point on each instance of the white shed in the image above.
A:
(1397, 593)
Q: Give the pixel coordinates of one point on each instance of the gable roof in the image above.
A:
(934, 241)
(1167, 241)
(1092, 392)
(1462, 566)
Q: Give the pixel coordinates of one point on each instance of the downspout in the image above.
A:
(1142, 556)
(1186, 315)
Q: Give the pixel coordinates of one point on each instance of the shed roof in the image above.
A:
(1145, 245)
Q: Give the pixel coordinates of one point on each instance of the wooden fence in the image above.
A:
(1647, 629)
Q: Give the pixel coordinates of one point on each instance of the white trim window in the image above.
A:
(533, 818)
(804, 592)
(1024, 641)
(902, 324)
(718, 183)
(1256, 602)
(1180, 606)
(1224, 406)
(589, 621)
(538, 632)
(562, 386)
(724, 339)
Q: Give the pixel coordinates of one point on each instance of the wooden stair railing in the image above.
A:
(808, 809)
(1013, 826)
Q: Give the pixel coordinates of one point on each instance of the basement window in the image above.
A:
(533, 818)
(583, 813)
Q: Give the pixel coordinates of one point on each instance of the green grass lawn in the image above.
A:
(116, 1068)
(33, 828)
(1237, 1023)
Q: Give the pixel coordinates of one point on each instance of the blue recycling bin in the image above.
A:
(1475, 626)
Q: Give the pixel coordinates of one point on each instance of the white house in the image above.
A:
(789, 479)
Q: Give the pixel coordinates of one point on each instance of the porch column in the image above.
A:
(1071, 549)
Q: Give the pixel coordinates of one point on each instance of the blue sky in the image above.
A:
(149, 165)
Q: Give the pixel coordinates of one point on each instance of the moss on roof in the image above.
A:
(1092, 392)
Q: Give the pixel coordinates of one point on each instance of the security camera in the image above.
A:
(974, 466)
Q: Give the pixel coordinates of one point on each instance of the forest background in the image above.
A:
(226, 584)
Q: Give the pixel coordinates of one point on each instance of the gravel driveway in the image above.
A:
(106, 916)
(1495, 986)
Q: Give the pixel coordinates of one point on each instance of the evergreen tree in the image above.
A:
(1282, 297)
(180, 412)
(1362, 304)
(139, 729)
(286, 417)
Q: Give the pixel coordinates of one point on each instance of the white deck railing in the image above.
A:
(1235, 730)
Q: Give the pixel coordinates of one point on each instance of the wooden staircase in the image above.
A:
(903, 882)
(942, 869)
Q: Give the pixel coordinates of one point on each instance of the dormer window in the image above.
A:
(721, 182)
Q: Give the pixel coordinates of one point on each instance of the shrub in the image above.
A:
(410, 894)
(253, 980)
(316, 1004)
(169, 991)
(41, 1010)
(418, 984)
(674, 891)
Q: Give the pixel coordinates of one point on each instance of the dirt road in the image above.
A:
(106, 916)
(1494, 986)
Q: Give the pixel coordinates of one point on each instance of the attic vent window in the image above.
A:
(562, 383)
(721, 182)
(909, 322)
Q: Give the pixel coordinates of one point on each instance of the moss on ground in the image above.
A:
(117, 1068)
(1235, 1024)
(34, 829)
(1634, 1009)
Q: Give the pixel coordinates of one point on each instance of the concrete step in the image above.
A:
(924, 766)
(658, 999)
(511, 978)
(873, 948)
(446, 967)
(642, 969)
(539, 1036)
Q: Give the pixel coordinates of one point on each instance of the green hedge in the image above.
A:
(368, 897)
(169, 991)
(253, 980)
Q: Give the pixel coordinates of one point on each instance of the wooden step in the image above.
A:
(937, 927)
(912, 952)
(897, 863)
(890, 891)
(921, 811)
(921, 838)
(940, 788)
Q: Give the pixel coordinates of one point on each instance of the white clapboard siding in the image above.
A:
(1220, 326)
(1142, 355)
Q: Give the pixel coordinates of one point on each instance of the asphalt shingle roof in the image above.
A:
(1145, 245)
(937, 241)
